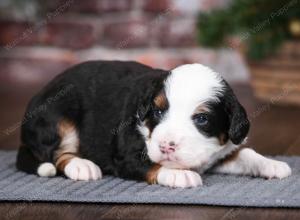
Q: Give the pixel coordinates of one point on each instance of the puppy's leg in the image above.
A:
(156, 174)
(77, 168)
(66, 158)
(28, 162)
(247, 162)
(145, 170)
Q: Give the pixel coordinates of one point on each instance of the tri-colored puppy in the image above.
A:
(129, 120)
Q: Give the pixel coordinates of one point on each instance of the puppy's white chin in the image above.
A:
(170, 161)
(175, 161)
(173, 164)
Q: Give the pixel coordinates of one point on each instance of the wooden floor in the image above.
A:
(275, 130)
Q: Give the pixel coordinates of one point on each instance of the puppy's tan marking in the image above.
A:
(231, 157)
(69, 144)
(65, 127)
(223, 138)
(63, 160)
(151, 176)
(161, 101)
(201, 109)
(147, 124)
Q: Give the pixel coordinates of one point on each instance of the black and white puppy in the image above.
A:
(129, 120)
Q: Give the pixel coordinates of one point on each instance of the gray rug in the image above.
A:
(224, 190)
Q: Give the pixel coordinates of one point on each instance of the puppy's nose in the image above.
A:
(167, 147)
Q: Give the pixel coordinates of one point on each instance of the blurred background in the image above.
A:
(254, 44)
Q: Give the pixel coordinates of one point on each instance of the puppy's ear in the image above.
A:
(145, 101)
(149, 87)
(143, 109)
(239, 123)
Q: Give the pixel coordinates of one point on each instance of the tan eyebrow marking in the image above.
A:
(160, 101)
(231, 157)
(202, 108)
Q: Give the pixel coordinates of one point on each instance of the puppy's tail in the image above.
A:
(28, 163)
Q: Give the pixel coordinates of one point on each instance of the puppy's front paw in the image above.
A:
(178, 178)
(82, 169)
(274, 169)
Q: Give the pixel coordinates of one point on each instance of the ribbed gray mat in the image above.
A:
(225, 190)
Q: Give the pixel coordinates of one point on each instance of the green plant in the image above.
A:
(262, 25)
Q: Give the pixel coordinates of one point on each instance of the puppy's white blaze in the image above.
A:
(192, 84)
(46, 170)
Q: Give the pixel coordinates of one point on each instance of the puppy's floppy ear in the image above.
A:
(143, 109)
(238, 120)
(150, 86)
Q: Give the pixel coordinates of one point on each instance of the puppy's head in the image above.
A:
(192, 117)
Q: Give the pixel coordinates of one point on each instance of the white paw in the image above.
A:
(178, 178)
(82, 169)
(46, 170)
(274, 169)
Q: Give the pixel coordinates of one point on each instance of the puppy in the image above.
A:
(131, 121)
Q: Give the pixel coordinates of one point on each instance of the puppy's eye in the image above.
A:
(201, 119)
(157, 113)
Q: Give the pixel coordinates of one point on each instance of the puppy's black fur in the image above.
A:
(102, 99)
(106, 100)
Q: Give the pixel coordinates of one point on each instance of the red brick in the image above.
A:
(156, 5)
(187, 8)
(126, 34)
(58, 6)
(179, 33)
(25, 67)
(16, 33)
(208, 5)
(67, 34)
(74, 35)
(93, 6)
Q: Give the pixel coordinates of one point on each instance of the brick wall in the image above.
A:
(160, 33)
